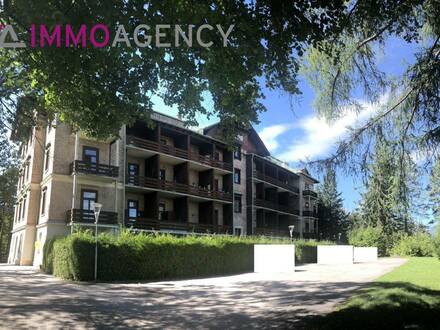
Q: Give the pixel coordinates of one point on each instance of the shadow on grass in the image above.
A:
(396, 305)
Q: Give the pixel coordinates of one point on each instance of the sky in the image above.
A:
(292, 131)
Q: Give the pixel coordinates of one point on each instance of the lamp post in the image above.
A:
(96, 209)
(291, 228)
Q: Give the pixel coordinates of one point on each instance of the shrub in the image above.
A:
(47, 265)
(306, 251)
(419, 244)
(437, 241)
(372, 236)
(132, 256)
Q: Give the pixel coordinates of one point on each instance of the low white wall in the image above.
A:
(274, 258)
(335, 254)
(365, 254)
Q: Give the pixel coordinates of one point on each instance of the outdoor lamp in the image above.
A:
(291, 228)
(97, 210)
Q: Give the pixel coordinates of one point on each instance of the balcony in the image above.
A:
(276, 182)
(308, 192)
(276, 206)
(79, 166)
(158, 184)
(308, 213)
(86, 216)
(157, 225)
(177, 152)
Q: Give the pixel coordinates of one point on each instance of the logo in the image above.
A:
(100, 35)
(7, 32)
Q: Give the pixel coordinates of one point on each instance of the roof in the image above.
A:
(253, 135)
(306, 173)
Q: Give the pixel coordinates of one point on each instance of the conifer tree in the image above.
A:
(332, 217)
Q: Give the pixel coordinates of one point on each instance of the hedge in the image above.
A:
(157, 257)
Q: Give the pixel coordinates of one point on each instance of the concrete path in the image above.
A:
(30, 300)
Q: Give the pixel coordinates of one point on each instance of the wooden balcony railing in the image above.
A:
(181, 153)
(307, 213)
(276, 206)
(86, 216)
(80, 166)
(154, 224)
(177, 187)
(308, 192)
(276, 182)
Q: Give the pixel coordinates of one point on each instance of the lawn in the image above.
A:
(406, 298)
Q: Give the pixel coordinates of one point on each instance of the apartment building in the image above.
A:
(163, 177)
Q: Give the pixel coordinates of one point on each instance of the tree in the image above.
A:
(8, 185)
(331, 214)
(342, 68)
(389, 198)
(434, 192)
(99, 89)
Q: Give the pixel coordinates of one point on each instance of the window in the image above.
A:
(23, 210)
(307, 227)
(28, 165)
(216, 155)
(216, 185)
(47, 157)
(162, 174)
(19, 212)
(133, 172)
(91, 155)
(238, 231)
(132, 209)
(237, 153)
(161, 211)
(43, 201)
(237, 176)
(237, 203)
(88, 197)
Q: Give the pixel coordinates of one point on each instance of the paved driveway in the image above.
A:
(29, 299)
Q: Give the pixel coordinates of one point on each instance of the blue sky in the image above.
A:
(291, 129)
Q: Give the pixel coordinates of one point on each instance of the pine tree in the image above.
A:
(391, 189)
(332, 217)
(377, 206)
(434, 192)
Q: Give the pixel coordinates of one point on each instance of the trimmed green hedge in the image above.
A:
(157, 257)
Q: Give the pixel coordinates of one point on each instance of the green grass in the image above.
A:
(406, 298)
(424, 272)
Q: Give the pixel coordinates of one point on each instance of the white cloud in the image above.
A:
(270, 134)
(320, 136)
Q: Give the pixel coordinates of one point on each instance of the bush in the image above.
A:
(47, 265)
(306, 251)
(419, 244)
(437, 241)
(155, 257)
(373, 236)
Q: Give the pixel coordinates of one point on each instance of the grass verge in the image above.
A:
(406, 298)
